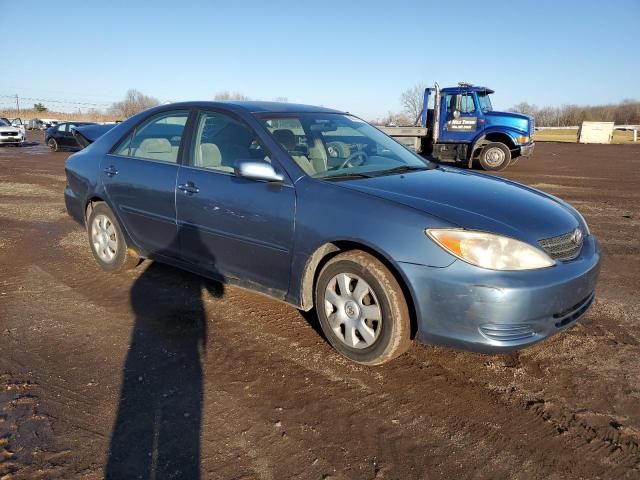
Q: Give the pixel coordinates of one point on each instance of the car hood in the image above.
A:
(475, 201)
(9, 129)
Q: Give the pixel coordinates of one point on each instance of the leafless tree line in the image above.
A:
(626, 112)
(136, 101)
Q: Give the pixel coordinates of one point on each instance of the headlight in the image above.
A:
(491, 251)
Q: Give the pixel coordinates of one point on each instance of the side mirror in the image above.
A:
(456, 114)
(257, 171)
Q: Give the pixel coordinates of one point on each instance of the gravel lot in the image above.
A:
(191, 376)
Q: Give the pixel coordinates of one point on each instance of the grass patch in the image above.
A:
(570, 135)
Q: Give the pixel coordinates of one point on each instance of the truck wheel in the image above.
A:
(362, 309)
(495, 157)
(107, 241)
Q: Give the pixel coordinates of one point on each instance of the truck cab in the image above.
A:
(462, 126)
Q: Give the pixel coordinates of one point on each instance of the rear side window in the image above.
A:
(158, 138)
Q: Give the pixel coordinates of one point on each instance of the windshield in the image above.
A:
(485, 102)
(4, 123)
(332, 145)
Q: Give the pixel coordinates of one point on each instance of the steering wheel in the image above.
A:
(359, 153)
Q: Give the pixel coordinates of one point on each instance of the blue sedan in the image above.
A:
(317, 208)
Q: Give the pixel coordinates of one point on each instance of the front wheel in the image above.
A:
(362, 309)
(53, 145)
(495, 157)
(107, 242)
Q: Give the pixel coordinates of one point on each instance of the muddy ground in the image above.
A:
(186, 375)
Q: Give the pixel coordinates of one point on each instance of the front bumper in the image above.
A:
(14, 140)
(527, 150)
(481, 310)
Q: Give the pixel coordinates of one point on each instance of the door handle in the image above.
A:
(188, 188)
(111, 171)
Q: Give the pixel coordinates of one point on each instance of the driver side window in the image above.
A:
(466, 103)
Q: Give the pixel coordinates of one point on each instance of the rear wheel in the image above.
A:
(495, 157)
(107, 242)
(362, 309)
(53, 145)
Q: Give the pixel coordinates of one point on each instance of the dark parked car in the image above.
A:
(60, 136)
(86, 135)
(319, 209)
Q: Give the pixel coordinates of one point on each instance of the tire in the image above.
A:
(53, 145)
(514, 161)
(103, 228)
(495, 157)
(370, 341)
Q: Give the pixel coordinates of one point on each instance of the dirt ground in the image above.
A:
(188, 376)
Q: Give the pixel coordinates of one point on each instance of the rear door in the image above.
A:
(140, 180)
(233, 226)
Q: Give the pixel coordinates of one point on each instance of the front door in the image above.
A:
(232, 226)
(140, 181)
(459, 118)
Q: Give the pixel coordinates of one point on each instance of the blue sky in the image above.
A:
(352, 55)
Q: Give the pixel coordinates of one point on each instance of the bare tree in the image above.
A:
(134, 102)
(525, 108)
(411, 100)
(226, 95)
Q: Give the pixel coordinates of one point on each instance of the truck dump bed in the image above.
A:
(409, 136)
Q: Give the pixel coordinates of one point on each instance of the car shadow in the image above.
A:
(156, 433)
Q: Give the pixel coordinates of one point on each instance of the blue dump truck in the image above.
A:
(460, 125)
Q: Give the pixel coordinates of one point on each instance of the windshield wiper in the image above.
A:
(346, 176)
(402, 169)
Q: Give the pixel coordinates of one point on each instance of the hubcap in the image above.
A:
(494, 157)
(104, 238)
(353, 310)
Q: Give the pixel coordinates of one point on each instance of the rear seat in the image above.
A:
(156, 149)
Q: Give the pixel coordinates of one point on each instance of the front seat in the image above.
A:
(287, 139)
(209, 156)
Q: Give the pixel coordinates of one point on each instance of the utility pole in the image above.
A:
(18, 103)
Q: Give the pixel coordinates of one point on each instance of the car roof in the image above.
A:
(259, 107)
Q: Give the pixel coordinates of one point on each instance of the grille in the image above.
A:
(532, 126)
(563, 247)
(9, 134)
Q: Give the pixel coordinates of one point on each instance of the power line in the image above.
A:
(65, 102)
